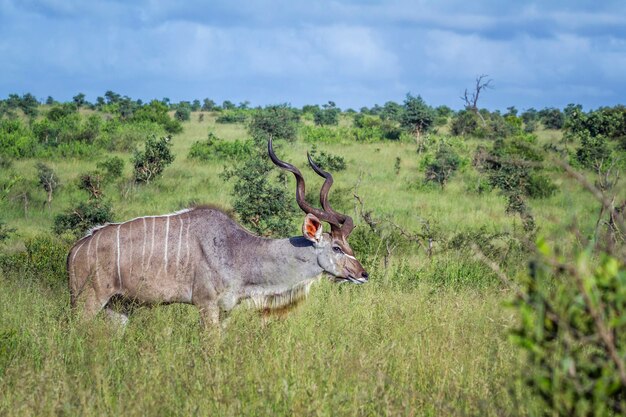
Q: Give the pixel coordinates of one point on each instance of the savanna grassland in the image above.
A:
(428, 335)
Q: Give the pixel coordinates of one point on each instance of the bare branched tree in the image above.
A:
(471, 99)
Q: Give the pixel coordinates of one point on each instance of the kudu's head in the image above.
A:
(335, 255)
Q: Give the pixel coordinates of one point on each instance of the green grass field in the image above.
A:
(425, 337)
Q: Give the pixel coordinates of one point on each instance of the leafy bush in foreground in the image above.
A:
(573, 330)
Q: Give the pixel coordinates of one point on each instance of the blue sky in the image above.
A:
(356, 53)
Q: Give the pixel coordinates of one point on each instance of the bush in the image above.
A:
(215, 148)
(328, 115)
(277, 122)
(83, 217)
(466, 123)
(16, 140)
(262, 205)
(513, 166)
(182, 114)
(113, 168)
(92, 182)
(43, 260)
(326, 161)
(118, 136)
(443, 166)
(149, 165)
(157, 112)
(552, 118)
(231, 117)
(573, 331)
(324, 134)
(593, 152)
(5, 231)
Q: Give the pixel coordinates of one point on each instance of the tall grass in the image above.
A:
(369, 350)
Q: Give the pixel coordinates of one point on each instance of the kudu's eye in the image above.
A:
(337, 249)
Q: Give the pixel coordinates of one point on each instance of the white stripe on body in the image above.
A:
(187, 242)
(180, 242)
(143, 248)
(167, 233)
(74, 258)
(152, 244)
(97, 262)
(119, 274)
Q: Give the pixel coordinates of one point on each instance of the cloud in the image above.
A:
(353, 52)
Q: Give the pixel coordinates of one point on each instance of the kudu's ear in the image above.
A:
(312, 228)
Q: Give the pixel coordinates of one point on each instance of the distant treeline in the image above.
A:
(29, 128)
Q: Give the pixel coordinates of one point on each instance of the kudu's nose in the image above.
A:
(365, 276)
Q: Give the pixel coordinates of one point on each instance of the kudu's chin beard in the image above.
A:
(341, 280)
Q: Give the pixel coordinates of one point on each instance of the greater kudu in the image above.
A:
(202, 257)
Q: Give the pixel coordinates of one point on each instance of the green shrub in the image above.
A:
(16, 140)
(277, 122)
(113, 168)
(118, 136)
(573, 331)
(261, 204)
(43, 260)
(149, 165)
(324, 134)
(328, 115)
(513, 166)
(215, 148)
(5, 231)
(182, 114)
(593, 151)
(327, 161)
(83, 217)
(231, 117)
(157, 112)
(445, 163)
(92, 182)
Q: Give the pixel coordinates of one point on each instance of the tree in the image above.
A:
(418, 117)
(471, 99)
(182, 114)
(149, 165)
(48, 179)
(29, 104)
(111, 97)
(327, 115)
(208, 105)
(277, 122)
(79, 100)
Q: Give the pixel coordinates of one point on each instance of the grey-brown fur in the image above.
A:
(200, 256)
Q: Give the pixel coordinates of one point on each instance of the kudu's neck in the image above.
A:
(284, 262)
